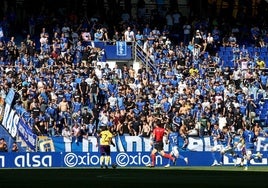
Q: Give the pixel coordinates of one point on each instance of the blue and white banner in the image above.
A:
(140, 144)
(30, 160)
(122, 159)
(26, 134)
(1, 32)
(121, 48)
(10, 117)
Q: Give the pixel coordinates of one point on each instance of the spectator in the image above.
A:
(98, 35)
(46, 71)
(66, 133)
(139, 38)
(116, 37)
(186, 32)
(3, 145)
(15, 147)
(129, 36)
(76, 131)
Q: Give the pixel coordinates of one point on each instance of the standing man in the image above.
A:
(105, 140)
(158, 145)
(93, 92)
(129, 36)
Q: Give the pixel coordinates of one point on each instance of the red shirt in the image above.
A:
(159, 134)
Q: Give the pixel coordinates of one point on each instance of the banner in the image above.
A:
(26, 134)
(10, 117)
(140, 144)
(1, 32)
(121, 48)
(122, 159)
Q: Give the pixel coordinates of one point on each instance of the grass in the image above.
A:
(220, 176)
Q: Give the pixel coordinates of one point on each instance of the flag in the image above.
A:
(1, 32)
(121, 48)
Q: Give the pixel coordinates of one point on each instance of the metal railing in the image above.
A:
(143, 57)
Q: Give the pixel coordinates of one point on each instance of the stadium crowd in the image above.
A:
(68, 89)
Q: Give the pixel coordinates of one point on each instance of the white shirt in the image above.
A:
(89, 81)
(112, 100)
(129, 36)
(98, 73)
(104, 119)
(181, 86)
(222, 122)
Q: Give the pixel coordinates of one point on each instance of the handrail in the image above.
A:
(144, 57)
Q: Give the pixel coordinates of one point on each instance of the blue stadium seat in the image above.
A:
(266, 61)
(263, 54)
(250, 49)
(228, 63)
(256, 49)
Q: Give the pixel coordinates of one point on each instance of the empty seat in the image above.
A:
(256, 49)
(250, 48)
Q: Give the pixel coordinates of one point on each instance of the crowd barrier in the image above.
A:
(122, 159)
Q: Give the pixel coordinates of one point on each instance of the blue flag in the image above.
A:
(1, 32)
(121, 48)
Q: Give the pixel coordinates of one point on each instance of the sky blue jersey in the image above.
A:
(248, 137)
(173, 139)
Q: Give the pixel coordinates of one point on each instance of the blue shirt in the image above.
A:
(173, 139)
(77, 106)
(248, 137)
(166, 106)
(177, 119)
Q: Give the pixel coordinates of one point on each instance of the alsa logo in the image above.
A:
(33, 160)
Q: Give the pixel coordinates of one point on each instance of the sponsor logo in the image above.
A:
(72, 159)
(121, 159)
(33, 160)
(125, 159)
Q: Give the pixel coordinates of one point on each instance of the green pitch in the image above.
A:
(220, 176)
